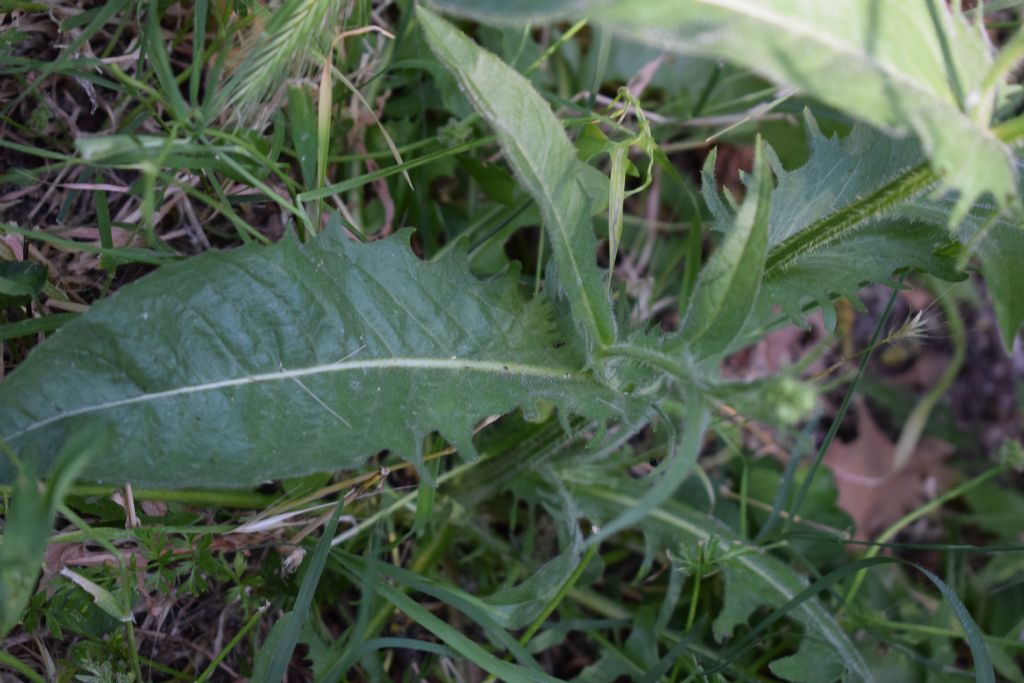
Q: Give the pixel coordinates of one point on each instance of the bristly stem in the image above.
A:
(901, 189)
(904, 188)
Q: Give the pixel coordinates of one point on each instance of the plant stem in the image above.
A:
(401, 502)
(929, 630)
(233, 499)
(663, 361)
(215, 662)
(133, 651)
(698, 576)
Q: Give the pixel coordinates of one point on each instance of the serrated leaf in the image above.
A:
(903, 66)
(723, 216)
(745, 591)
(836, 223)
(269, 362)
(870, 254)
(839, 172)
(728, 283)
(543, 160)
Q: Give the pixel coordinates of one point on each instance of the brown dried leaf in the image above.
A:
(777, 350)
(869, 491)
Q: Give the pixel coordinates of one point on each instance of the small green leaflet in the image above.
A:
(728, 283)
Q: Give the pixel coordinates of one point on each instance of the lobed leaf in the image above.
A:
(747, 590)
(829, 238)
(834, 182)
(267, 362)
(839, 222)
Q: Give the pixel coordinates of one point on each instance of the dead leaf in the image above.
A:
(154, 508)
(873, 495)
(60, 556)
(777, 350)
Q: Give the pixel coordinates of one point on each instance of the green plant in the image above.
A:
(284, 361)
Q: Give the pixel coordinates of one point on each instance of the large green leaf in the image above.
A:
(829, 238)
(544, 161)
(903, 66)
(266, 362)
(832, 186)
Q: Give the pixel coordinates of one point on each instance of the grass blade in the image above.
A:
(464, 646)
(833, 429)
(285, 645)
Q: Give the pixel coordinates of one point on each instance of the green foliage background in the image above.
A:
(578, 420)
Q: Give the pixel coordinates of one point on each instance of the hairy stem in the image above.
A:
(904, 188)
(901, 189)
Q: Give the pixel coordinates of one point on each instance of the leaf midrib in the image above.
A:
(550, 205)
(854, 215)
(496, 367)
